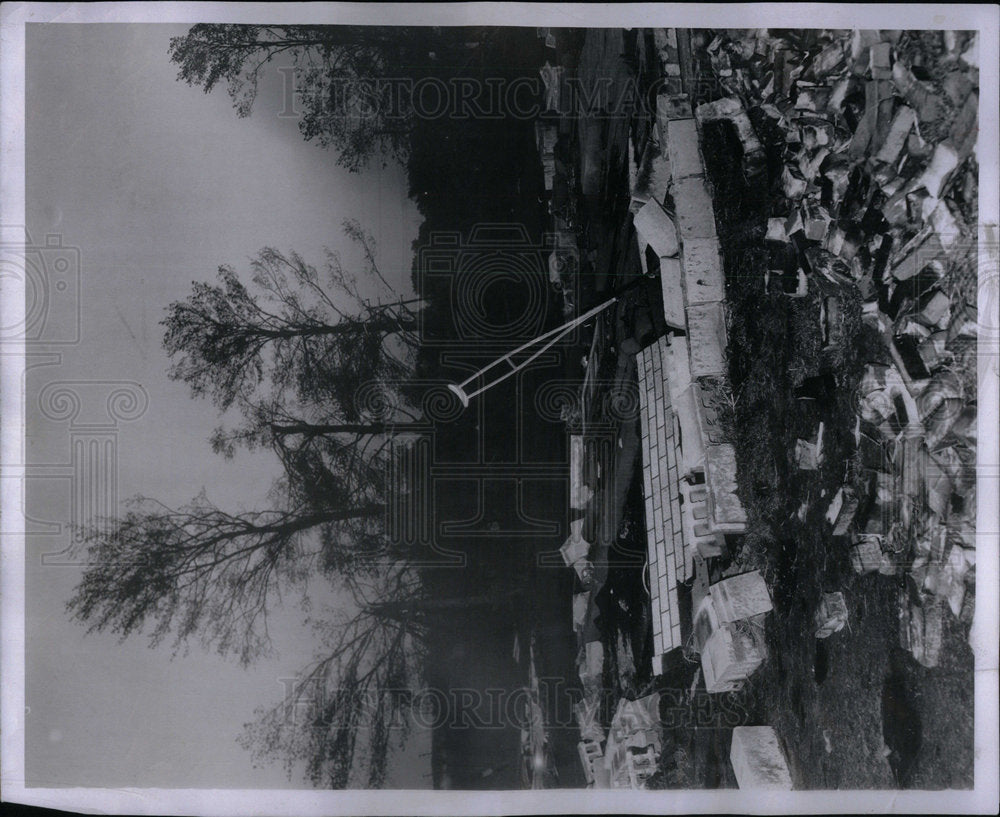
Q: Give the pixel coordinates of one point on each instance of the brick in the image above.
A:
(675, 633)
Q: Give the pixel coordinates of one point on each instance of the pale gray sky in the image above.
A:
(157, 184)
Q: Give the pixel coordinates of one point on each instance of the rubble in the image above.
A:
(633, 745)
(876, 196)
(831, 615)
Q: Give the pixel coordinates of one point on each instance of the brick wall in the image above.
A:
(668, 563)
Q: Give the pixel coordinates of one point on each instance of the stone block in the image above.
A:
(758, 760)
(682, 147)
(695, 214)
(707, 339)
(704, 280)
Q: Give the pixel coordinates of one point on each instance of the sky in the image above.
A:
(157, 184)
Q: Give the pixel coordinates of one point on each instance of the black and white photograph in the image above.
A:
(499, 408)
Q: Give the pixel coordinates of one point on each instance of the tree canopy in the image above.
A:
(351, 82)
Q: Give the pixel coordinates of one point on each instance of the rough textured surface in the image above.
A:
(695, 216)
(758, 760)
(703, 277)
(707, 338)
(741, 596)
(728, 514)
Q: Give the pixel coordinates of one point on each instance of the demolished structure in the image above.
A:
(689, 470)
(878, 208)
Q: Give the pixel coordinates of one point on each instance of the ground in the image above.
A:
(873, 692)
(835, 703)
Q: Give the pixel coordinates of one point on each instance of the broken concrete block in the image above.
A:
(812, 97)
(845, 518)
(833, 511)
(741, 597)
(709, 394)
(727, 512)
(676, 360)
(936, 311)
(776, 230)
(809, 453)
(581, 601)
(965, 130)
(932, 349)
(729, 657)
(732, 110)
(651, 177)
(655, 229)
(693, 450)
(669, 107)
(880, 60)
(758, 760)
(707, 339)
(916, 254)
(573, 550)
(946, 226)
(866, 555)
(861, 43)
(793, 183)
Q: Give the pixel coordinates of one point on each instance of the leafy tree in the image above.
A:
(351, 80)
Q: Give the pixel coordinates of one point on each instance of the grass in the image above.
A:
(832, 731)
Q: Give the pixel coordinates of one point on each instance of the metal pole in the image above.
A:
(555, 334)
(548, 340)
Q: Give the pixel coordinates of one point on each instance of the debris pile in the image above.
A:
(633, 746)
(728, 631)
(871, 138)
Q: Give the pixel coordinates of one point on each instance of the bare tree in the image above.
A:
(295, 329)
(200, 572)
(340, 717)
